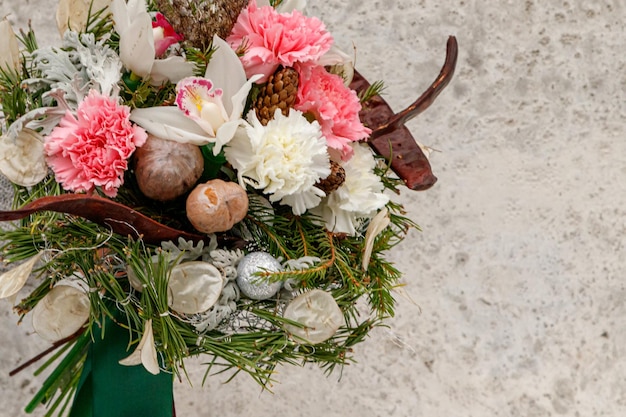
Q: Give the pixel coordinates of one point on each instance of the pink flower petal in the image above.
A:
(91, 149)
(272, 39)
(334, 105)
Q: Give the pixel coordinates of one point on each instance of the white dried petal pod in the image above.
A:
(194, 287)
(72, 14)
(61, 313)
(9, 47)
(318, 311)
(216, 206)
(23, 161)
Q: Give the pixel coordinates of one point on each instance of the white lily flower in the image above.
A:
(209, 109)
(12, 281)
(72, 14)
(137, 51)
(9, 48)
(145, 353)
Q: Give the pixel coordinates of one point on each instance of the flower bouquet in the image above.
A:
(197, 178)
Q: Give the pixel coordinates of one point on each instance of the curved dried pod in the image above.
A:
(165, 169)
(216, 206)
(391, 139)
(61, 313)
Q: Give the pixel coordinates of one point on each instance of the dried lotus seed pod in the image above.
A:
(216, 206)
(165, 169)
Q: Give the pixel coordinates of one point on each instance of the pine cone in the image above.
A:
(279, 93)
(334, 180)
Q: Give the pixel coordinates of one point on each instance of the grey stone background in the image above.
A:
(515, 302)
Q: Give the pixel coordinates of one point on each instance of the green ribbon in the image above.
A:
(108, 389)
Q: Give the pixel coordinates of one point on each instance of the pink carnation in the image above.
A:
(271, 39)
(335, 107)
(92, 149)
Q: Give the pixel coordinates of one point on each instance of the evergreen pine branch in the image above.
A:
(375, 89)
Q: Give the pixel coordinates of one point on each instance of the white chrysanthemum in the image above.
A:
(360, 196)
(284, 159)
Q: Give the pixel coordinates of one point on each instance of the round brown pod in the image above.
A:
(216, 206)
(165, 169)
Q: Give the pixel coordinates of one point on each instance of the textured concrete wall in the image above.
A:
(515, 294)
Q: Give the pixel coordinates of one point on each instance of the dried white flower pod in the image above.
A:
(23, 161)
(165, 169)
(318, 311)
(216, 206)
(72, 14)
(9, 47)
(60, 313)
(194, 287)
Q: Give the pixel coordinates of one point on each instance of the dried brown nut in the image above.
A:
(165, 169)
(216, 206)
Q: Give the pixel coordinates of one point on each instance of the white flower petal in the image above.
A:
(169, 122)
(239, 99)
(226, 71)
(145, 353)
(134, 25)
(285, 159)
(23, 160)
(341, 63)
(224, 134)
(360, 196)
(173, 69)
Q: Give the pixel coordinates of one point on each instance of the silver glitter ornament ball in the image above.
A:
(253, 286)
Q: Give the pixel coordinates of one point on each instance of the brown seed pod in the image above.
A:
(216, 206)
(166, 169)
